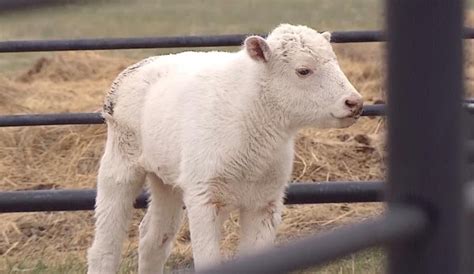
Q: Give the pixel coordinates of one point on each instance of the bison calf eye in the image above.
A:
(303, 72)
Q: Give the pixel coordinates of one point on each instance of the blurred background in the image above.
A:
(59, 157)
(121, 18)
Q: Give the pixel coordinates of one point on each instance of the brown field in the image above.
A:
(60, 157)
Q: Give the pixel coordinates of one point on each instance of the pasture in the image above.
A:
(67, 156)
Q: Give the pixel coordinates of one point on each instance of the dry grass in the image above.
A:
(67, 157)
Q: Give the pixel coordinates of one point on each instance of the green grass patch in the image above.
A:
(371, 261)
(366, 262)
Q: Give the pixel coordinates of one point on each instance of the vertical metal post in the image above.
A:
(469, 192)
(425, 68)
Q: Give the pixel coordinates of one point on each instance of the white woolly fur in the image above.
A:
(214, 132)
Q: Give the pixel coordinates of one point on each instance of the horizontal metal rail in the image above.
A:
(172, 41)
(83, 118)
(298, 193)
(15, 5)
(96, 118)
(162, 42)
(399, 224)
(51, 119)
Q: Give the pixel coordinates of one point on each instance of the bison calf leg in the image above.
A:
(159, 226)
(257, 226)
(205, 221)
(119, 182)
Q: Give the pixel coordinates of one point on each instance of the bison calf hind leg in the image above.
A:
(119, 182)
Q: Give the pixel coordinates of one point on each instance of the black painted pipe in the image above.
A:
(50, 119)
(399, 224)
(162, 42)
(173, 41)
(83, 118)
(84, 199)
(96, 118)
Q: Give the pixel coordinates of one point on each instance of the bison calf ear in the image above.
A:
(257, 48)
(327, 35)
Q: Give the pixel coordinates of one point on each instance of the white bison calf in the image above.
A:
(213, 132)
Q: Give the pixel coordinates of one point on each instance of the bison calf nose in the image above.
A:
(354, 103)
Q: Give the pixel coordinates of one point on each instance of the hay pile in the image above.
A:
(67, 157)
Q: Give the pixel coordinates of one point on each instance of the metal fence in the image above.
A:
(426, 226)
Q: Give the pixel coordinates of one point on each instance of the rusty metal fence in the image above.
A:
(430, 205)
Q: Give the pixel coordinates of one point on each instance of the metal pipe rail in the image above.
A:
(173, 41)
(96, 118)
(80, 118)
(400, 224)
(164, 42)
(83, 118)
(14, 5)
(426, 143)
(298, 193)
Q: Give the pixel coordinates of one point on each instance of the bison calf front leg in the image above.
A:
(205, 219)
(258, 226)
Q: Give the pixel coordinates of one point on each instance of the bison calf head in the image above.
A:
(301, 76)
